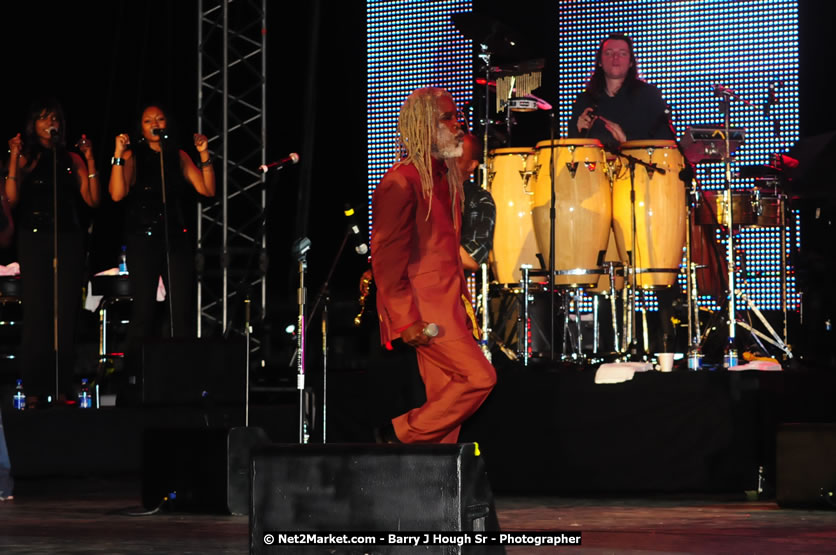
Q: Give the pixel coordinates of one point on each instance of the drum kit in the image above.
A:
(577, 221)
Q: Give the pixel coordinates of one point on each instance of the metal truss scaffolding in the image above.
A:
(231, 259)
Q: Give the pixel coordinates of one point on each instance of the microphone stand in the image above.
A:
(301, 247)
(166, 240)
(730, 357)
(323, 297)
(55, 262)
(694, 355)
(552, 212)
(485, 56)
(633, 347)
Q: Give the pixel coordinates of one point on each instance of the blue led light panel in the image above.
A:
(685, 48)
(410, 44)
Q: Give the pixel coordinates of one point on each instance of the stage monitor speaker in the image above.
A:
(806, 465)
(358, 487)
(200, 470)
(193, 371)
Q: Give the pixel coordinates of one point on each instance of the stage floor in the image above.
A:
(90, 516)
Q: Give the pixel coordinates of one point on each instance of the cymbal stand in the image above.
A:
(775, 339)
(783, 205)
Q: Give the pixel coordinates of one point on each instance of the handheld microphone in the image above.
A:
(289, 160)
(430, 330)
(360, 247)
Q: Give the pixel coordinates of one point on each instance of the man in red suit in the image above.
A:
(416, 214)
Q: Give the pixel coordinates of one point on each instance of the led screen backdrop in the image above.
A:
(684, 46)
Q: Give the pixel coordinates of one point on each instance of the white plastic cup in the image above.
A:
(665, 361)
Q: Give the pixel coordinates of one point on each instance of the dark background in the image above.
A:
(105, 60)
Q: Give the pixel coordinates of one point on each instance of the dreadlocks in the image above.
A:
(417, 129)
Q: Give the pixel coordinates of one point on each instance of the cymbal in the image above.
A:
(501, 40)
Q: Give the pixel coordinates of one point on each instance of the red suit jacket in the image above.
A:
(415, 259)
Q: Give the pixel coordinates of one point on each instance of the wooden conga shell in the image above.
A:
(514, 243)
(660, 212)
(583, 207)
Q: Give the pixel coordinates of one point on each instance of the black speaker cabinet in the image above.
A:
(200, 470)
(193, 371)
(359, 487)
(806, 465)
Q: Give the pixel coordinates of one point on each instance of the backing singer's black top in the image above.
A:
(145, 200)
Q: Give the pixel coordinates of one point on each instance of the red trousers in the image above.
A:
(457, 378)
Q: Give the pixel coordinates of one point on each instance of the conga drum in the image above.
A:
(660, 212)
(514, 243)
(583, 208)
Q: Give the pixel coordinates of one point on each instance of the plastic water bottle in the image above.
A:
(20, 396)
(123, 261)
(85, 400)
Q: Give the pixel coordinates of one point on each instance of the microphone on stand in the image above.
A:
(160, 132)
(720, 90)
(289, 160)
(53, 132)
(360, 247)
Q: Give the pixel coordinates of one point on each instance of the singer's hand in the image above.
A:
(586, 119)
(122, 142)
(614, 129)
(84, 146)
(201, 143)
(15, 146)
(414, 335)
(365, 283)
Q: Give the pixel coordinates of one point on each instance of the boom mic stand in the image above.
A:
(323, 297)
(300, 249)
(485, 56)
(552, 213)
